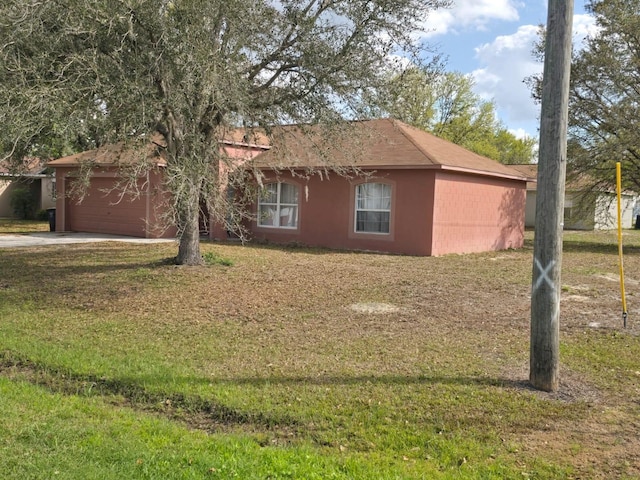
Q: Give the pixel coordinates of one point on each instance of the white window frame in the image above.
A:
(358, 188)
(279, 207)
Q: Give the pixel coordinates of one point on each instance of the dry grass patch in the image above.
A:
(14, 226)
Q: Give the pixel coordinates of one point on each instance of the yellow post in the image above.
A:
(619, 194)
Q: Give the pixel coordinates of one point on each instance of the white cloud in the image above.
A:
(503, 61)
(507, 61)
(470, 15)
(519, 133)
(583, 26)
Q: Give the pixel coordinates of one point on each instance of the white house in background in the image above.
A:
(599, 212)
(33, 177)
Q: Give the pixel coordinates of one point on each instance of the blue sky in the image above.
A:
(492, 40)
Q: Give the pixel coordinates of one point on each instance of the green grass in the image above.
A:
(115, 363)
(47, 435)
(212, 258)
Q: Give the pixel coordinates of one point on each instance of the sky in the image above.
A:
(492, 40)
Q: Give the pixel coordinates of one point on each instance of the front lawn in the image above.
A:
(298, 363)
(14, 226)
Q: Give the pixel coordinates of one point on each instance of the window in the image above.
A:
(373, 208)
(278, 206)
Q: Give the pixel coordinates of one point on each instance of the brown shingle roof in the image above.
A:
(246, 137)
(529, 170)
(116, 154)
(112, 156)
(383, 143)
(29, 166)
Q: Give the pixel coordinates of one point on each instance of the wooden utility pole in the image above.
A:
(547, 251)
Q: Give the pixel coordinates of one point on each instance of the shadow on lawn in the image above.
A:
(207, 414)
(60, 261)
(133, 393)
(374, 380)
(136, 393)
(573, 246)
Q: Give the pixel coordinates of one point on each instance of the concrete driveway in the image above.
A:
(60, 238)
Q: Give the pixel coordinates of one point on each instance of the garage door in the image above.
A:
(103, 211)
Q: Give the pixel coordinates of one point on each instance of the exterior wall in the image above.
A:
(469, 214)
(598, 214)
(475, 213)
(327, 210)
(8, 186)
(578, 215)
(101, 211)
(606, 212)
(530, 209)
(48, 193)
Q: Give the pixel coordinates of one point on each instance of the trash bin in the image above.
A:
(51, 215)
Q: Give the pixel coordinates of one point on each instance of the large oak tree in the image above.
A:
(85, 73)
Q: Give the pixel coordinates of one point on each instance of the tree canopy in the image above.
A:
(83, 73)
(445, 104)
(604, 107)
(604, 99)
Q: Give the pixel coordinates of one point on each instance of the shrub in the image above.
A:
(42, 215)
(23, 203)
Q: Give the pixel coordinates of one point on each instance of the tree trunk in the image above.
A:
(189, 247)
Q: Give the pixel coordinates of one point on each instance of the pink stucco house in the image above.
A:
(103, 208)
(419, 195)
(413, 193)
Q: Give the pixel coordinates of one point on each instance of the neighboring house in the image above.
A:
(530, 171)
(33, 176)
(597, 211)
(413, 193)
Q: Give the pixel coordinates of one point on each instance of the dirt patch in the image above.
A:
(576, 298)
(572, 386)
(374, 308)
(601, 446)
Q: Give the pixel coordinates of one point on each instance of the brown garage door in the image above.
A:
(102, 211)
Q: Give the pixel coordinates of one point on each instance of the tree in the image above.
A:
(96, 72)
(446, 105)
(605, 98)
